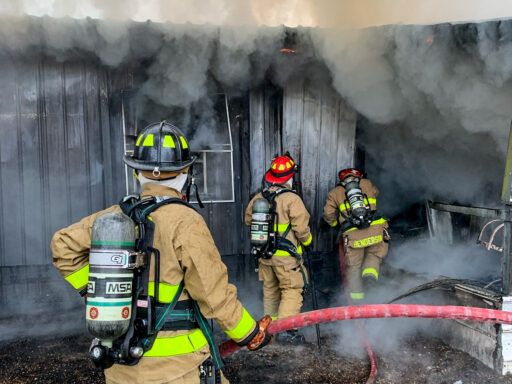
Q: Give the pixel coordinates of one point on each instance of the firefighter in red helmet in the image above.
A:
(353, 206)
(281, 267)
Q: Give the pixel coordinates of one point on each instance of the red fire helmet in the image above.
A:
(349, 172)
(281, 170)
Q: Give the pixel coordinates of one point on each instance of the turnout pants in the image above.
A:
(282, 289)
(191, 377)
(363, 263)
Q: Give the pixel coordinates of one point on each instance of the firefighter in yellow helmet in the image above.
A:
(353, 206)
(281, 267)
(183, 349)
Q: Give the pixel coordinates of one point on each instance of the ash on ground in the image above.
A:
(417, 360)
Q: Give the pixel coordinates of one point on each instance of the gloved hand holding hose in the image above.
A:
(260, 336)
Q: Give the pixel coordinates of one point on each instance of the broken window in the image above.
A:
(208, 128)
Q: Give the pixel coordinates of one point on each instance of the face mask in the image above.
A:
(176, 183)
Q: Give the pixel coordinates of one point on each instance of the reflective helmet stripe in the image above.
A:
(169, 142)
(148, 141)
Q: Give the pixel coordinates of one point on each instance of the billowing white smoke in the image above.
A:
(437, 100)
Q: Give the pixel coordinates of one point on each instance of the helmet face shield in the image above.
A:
(161, 147)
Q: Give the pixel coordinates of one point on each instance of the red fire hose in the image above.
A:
(379, 311)
(373, 360)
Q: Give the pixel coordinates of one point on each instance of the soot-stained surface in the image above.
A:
(418, 360)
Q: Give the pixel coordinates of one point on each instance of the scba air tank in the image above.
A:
(356, 200)
(260, 222)
(109, 292)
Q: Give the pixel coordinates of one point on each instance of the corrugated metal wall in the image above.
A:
(61, 153)
(57, 162)
(318, 129)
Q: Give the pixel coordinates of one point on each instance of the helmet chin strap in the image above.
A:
(191, 185)
(176, 183)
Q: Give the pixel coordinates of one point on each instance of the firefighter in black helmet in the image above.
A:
(182, 351)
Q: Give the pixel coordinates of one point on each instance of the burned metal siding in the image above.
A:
(318, 129)
(56, 153)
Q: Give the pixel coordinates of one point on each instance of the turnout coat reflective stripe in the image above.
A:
(188, 253)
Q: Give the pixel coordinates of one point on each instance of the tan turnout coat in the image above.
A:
(290, 210)
(336, 201)
(188, 253)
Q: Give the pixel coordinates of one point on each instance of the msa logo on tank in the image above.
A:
(117, 287)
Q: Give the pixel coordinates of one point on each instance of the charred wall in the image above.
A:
(61, 159)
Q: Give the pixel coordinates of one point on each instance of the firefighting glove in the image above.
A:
(260, 336)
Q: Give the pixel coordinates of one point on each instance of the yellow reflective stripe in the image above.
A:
(280, 252)
(281, 227)
(80, 278)
(351, 229)
(169, 142)
(357, 295)
(334, 224)
(138, 140)
(371, 201)
(244, 326)
(343, 207)
(166, 292)
(367, 242)
(183, 142)
(370, 271)
(177, 345)
(273, 318)
(309, 240)
(378, 221)
(148, 141)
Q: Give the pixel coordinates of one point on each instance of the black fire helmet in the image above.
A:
(161, 147)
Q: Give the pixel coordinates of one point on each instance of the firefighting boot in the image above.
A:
(370, 285)
(291, 337)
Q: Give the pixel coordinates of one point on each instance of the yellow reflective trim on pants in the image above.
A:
(357, 295)
(80, 278)
(166, 292)
(148, 141)
(334, 224)
(177, 345)
(183, 142)
(243, 328)
(309, 240)
(286, 253)
(370, 271)
(367, 242)
(169, 142)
